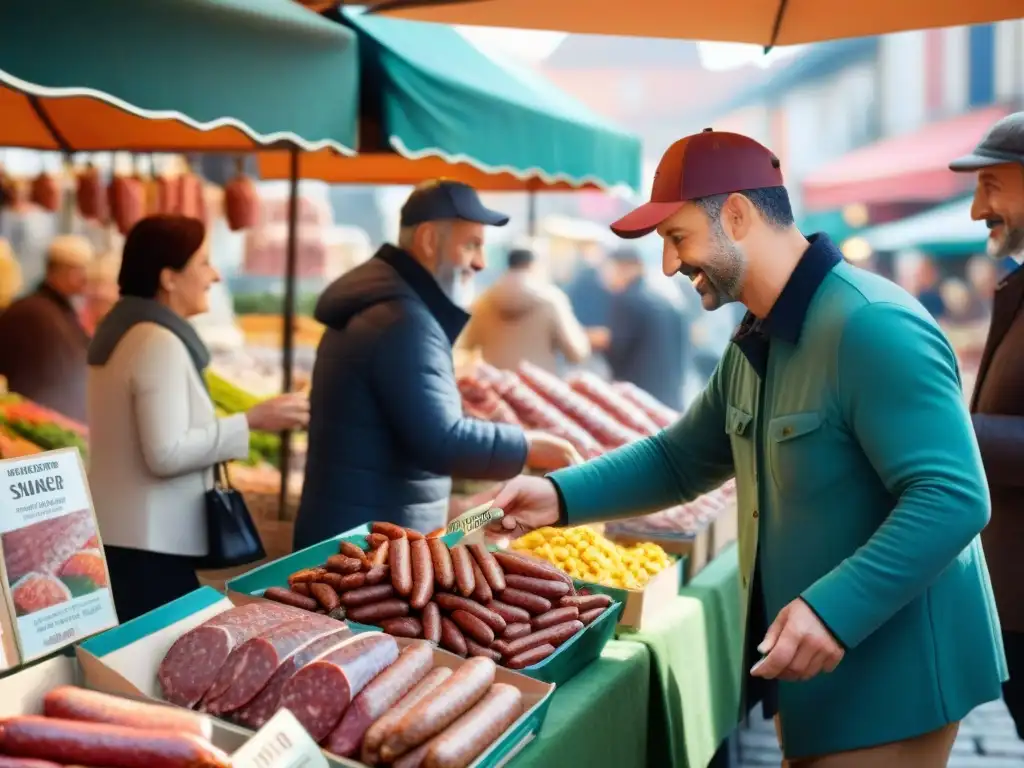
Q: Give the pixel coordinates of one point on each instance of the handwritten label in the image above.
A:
(281, 743)
(475, 520)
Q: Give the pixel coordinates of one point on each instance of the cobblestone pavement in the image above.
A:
(987, 739)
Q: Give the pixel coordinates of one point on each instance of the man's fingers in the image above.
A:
(832, 660)
(778, 659)
(772, 635)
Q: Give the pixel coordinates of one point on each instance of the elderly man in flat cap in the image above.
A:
(42, 343)
(997, 407)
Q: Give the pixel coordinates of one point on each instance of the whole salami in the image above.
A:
(320, 692)
(659, 413)
(602, 394)
(257, 712)
(192, 664)
(537, 413)
(254, 662)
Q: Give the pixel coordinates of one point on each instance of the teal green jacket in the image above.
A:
(859, 478)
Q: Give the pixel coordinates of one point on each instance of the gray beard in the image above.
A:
(1012, 245)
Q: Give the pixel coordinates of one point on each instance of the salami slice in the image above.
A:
(264, 706)
(251, 665)
(320, 692)
(192, 664)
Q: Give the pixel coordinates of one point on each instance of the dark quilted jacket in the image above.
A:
(386, 426)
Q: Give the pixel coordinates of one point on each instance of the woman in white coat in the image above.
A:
(154, 436)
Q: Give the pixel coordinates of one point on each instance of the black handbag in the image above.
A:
(230, 531)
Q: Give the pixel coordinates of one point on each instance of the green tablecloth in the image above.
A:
(696, 657)
(599, 718)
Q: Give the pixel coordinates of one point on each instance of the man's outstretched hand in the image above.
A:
(797, 646)
(528, 503)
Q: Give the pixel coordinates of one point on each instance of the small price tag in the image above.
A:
(474, 521)
(281, 743)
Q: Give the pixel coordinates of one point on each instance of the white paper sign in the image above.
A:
(281, 743)
(55, 575)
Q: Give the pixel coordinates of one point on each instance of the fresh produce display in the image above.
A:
(684, 520)
(230, 399)
(85, 728)
(13, 445)
(358, 696)
(511, 608)
(40, 426)
(585, 554)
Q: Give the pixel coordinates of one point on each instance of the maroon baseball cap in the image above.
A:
(704, 164)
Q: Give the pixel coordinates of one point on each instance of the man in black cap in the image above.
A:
(997, 407)
(647, 337)
(387, 431)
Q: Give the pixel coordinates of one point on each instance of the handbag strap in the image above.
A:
(221, 476)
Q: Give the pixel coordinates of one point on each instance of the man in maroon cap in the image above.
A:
(870, 625)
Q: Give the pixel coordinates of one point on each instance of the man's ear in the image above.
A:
(738, 216)
(425, 240)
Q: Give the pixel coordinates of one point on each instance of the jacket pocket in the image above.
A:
(737, 422)
(795, 453)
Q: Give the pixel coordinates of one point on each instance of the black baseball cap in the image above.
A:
(442, 200)
(1004, 143)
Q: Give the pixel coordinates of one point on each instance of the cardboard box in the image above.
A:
(125, 660)
(21, 692)
(695, 551)
(724, 530)
(641, 606)
(53, 573)
(570, 658)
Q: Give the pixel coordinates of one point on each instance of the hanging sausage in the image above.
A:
(241, 201)
(191, 196)
(127, 199)
(45, 192)
(168, 195)
(91, 196)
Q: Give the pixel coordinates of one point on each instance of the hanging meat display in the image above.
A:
(90, 195)
(660, 413)
(168, 195)
(602, 394)
(481, 401)
(127, 200)
(609, 432)
(191, 198)
(45, 192)
(241, 201)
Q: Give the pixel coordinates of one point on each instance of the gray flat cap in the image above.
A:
(1004, 143)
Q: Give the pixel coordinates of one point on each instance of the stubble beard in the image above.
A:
(725, 270)
(1011, 245)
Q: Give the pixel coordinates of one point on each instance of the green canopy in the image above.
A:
(214, 74)
(434, 94)
(946, 230)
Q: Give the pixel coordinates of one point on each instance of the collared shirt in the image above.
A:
(785, 321)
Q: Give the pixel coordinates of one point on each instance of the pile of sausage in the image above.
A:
(505, 606)
(86, 728)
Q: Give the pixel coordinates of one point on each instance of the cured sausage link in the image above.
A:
(68, 702)
(71, 742)
(471, 734)
(491, 570)
(376, 698)
(25, 762)
(441, 708)
(379, 730)
(320, 692)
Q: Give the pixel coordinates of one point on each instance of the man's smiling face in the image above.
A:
(999, 202)
(696, 245)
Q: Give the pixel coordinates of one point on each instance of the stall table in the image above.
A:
(599, 718)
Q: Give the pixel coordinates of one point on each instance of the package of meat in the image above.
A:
(251, 665)
(660, 413)
(192, 664)
(319, 693)
(602, 394)
(534, 412)
(264, 706)
(609, 432)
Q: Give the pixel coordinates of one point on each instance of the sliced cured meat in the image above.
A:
(320, 692)
(264, 706)
(251, 665)
(36, 591)
(192, 664)
(44, 547)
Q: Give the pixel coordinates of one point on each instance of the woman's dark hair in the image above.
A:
(156, 243)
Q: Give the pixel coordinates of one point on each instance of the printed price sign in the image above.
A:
(281, 743)
(54, 574)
